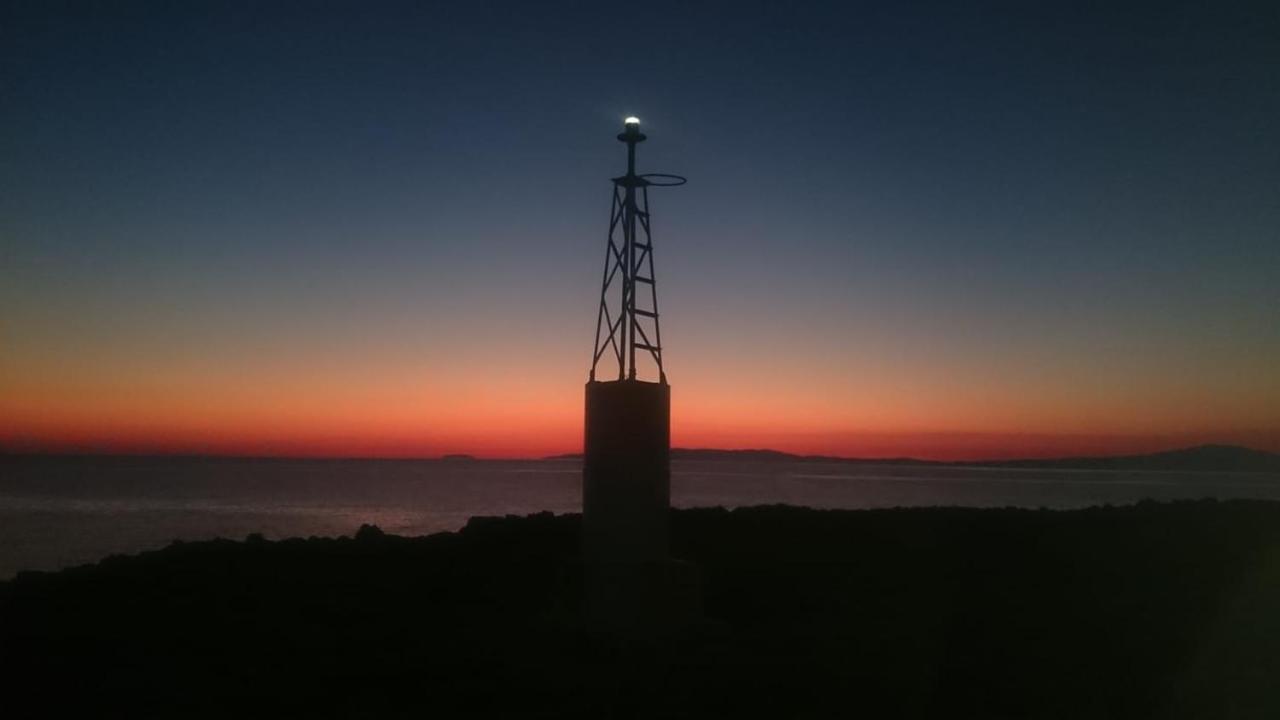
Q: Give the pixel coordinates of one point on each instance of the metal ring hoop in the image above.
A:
(664, 180)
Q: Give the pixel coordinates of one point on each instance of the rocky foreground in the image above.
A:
(1154, 610)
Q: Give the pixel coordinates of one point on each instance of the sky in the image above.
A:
(942, 230)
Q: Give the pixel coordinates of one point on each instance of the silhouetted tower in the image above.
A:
(626, 467)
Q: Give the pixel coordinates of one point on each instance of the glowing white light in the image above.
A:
(633, 120)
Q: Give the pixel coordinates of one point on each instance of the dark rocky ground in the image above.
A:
(1155, 610)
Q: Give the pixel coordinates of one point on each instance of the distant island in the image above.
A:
(1201, 458)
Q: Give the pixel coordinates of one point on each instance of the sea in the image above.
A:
(57, 512)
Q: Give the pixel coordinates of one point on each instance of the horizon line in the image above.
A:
(463, 456)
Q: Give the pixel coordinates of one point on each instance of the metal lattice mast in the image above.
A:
(623, 325)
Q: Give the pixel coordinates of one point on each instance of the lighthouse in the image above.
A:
(626, 475)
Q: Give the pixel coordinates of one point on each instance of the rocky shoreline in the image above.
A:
(1152, 610)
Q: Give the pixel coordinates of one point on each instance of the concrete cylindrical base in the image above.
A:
(626, 472)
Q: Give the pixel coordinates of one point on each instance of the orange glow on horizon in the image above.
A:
(554, 431)
(360, 403)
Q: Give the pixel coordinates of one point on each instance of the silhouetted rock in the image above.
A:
(369, 533)
(1154, 610)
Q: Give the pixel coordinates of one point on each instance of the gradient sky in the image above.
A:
(943, 230)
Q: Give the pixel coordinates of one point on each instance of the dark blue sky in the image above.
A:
(1071, 200)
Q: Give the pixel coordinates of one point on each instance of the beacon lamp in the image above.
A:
(631, 130)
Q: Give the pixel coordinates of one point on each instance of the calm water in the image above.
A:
(56, 512)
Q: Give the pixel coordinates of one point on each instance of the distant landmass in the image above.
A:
(1202, 458)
